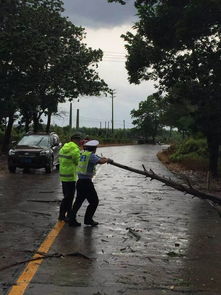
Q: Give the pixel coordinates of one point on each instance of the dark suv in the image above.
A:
(35, 150)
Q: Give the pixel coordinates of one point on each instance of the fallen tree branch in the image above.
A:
(45, 256)
(44, 201)
(180, 187)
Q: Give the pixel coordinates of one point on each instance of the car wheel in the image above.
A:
(12, 169)
(49, 167)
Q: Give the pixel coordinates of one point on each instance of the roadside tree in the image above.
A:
(178, 43)
(149, 116)
(43, 61)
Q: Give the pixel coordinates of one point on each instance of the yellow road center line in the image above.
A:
(32, 267)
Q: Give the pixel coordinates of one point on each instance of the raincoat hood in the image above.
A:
(69, 156)
(69, 147)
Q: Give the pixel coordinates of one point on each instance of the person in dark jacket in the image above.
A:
(85, 187)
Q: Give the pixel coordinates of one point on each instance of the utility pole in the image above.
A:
(77, 120)
(113, 92)
(70, 116)
(105, 129)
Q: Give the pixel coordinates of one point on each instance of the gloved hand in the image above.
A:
(110, 161)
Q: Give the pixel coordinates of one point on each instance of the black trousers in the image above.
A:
(85, 190)
(68, 188)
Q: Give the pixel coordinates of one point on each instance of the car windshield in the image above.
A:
(35, 141)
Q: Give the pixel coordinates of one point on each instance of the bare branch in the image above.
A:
(180, 187)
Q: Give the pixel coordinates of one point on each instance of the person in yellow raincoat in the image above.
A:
(69, 156)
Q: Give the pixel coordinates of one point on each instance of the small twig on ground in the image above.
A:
(187, 180)
(136, 235)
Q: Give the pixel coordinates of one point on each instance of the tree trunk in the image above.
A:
(35, 123)
(27, 122)
(7, 135)
(170, 132)
(48, 122)
(26, 125)
(213, 147)
(183, 134)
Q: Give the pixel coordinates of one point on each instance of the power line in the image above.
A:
(114, 56)
(114, 53)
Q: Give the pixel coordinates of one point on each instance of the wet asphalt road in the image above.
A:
(151, 240)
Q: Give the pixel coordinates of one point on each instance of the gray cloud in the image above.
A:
(99, 13)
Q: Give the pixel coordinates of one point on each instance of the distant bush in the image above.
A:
(191, 148)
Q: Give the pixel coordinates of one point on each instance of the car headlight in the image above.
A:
(45, 153)
(11, 152)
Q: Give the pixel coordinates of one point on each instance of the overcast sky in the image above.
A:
(104, 23)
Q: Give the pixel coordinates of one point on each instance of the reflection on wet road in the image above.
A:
(151, 239)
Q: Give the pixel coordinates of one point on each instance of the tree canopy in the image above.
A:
(148, 118)
(178, 44)
(43, 61)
